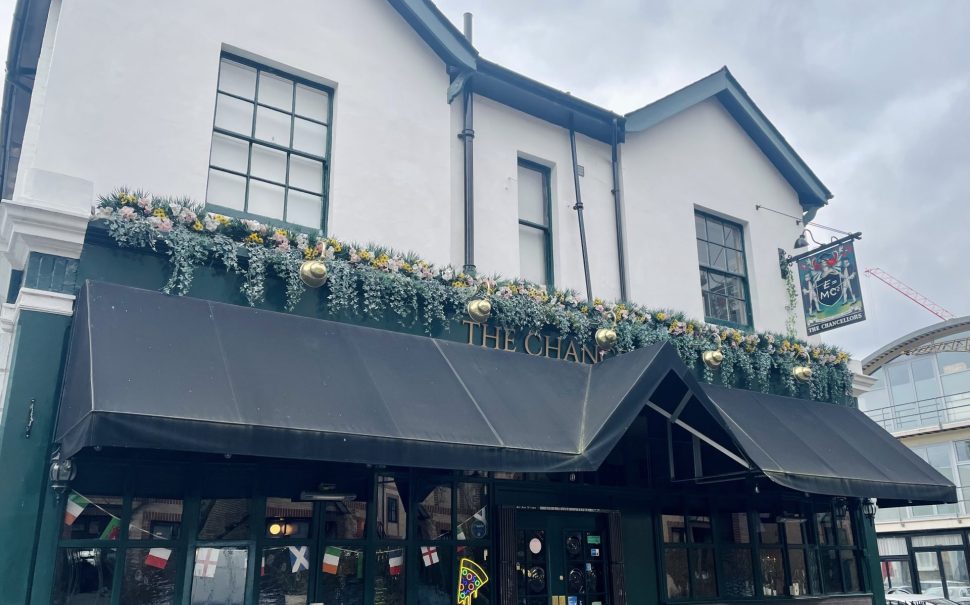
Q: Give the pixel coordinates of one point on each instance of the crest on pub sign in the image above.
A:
(829, 284)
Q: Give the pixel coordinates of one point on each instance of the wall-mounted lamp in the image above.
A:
(802, 241)
(841, 506)
(869, 508)
(62, 472)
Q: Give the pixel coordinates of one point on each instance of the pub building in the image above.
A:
(227, 404)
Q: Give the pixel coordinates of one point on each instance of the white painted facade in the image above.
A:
(126, 91)
(701, 159)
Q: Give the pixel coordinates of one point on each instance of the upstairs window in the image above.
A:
(270, 145)
(535, 224)
(724, 275)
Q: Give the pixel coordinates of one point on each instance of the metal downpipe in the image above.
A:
(617, 209)
(579, 213)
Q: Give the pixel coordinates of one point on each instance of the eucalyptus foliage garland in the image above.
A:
(380, 284)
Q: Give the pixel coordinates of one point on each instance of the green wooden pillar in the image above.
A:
(870, 550)
(29, 414)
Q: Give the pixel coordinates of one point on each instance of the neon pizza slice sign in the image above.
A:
(471, 578)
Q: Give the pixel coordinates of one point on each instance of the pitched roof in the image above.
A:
(721, 85)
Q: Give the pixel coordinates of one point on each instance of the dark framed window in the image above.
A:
(392, 509)
(724, 273)
(270, 145)
(730, 552)
(535, 223)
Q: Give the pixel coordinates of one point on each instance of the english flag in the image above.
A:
(206, 560)
(429, 554)
(395, 560)
(76, 503)
(158, 557)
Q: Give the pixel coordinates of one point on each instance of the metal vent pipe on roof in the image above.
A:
(467, 29)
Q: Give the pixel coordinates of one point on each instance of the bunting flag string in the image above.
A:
(77, 503)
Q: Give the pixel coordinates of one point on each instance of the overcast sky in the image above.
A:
(875, 96)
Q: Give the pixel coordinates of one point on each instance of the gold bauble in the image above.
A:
(713, 359)
(605, 338)
(479, 310)
(803, 373)
(313, 273)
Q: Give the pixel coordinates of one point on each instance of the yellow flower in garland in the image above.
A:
(365, 255)
(841, 357)
(126, 198)
(253, 238)
(690, 328)
(380, 262)
(337, 246)
(222, 219)
(406, 266)
(197, 226)
(310, 253)
(584, 309)
(160, 213)
(661, 316)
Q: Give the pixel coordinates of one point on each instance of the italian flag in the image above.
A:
(158, 557)
(76, 503)
(111, 530)
(331, 559)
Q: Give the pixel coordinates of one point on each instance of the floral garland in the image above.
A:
(379, 283)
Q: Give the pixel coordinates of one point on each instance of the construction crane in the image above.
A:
(909, 293)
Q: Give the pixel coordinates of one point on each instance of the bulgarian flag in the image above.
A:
(158, 557)
(76, 503)
(395, 561)
(111, 530)
(331, 559)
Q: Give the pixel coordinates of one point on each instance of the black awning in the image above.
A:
(822, 448)
(151, 371)
(146, 370)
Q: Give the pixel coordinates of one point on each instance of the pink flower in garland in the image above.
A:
(126, 213)
(165, 225)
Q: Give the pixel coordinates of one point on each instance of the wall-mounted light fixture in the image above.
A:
(869, 508)
(62, 472)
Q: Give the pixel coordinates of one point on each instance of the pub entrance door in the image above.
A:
(562, 558)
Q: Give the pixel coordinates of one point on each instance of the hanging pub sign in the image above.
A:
(829, 282)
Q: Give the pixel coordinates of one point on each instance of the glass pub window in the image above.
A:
(724, 276)
(270, 141)
(535, 225)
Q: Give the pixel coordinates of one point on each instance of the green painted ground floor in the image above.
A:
(157, 529)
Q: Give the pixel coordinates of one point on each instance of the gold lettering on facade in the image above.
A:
(591, 355)
(493, 337)
(528, 349)
(471, 330)
(509, 344)
(571, 350)
(556, 348)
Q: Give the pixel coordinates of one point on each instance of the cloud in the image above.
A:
(874, 95)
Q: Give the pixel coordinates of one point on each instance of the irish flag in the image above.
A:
(331, 559)
(158, 557)
(76, 503)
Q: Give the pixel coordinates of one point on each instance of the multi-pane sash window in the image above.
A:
(535, 226)
(270, 141)
(724, 276)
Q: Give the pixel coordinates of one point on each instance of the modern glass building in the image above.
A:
(922, 396)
